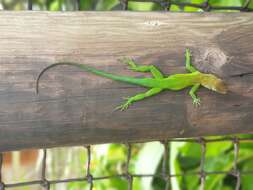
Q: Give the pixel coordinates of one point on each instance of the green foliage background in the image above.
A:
(108, 5)
(146, 158)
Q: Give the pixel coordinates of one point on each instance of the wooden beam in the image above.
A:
(76, 108)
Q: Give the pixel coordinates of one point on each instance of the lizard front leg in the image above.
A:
(147, 68)
(196, 100)
(138, 97)
(188, 65)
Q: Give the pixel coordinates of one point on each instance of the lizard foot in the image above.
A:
(196, 102)
(126, 98)
(129, 62)
(123, 106)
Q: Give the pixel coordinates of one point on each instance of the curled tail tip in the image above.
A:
(49, 67)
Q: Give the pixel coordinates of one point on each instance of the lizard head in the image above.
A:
(214, 83)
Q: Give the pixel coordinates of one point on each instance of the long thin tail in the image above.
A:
(89, 69)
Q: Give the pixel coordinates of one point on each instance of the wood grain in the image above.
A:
(75, 108)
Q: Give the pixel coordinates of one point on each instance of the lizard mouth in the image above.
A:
(221, 87)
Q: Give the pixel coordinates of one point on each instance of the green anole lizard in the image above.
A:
(158, 83)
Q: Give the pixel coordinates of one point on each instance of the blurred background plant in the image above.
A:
(109, 5)
(110, 159)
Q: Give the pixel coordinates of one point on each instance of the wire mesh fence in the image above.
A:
(164, 175)
(205, 5)
(166, 5)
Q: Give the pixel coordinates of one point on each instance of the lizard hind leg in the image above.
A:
(138, 97)
(147, 68)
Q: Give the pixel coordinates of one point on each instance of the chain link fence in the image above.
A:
(166, 5)
(165, 175)
(205, 5)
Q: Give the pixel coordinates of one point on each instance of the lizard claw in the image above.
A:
(124, 106)
(126, 98)
(125, 60)
(196, 102)
(129, 62)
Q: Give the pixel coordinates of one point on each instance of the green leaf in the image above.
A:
(55, 5)
(247, 179)
(215, 148)
(140, 6)
(189, 156)
(175, 8)
(250, 5)
(221, 163)
(86, 4)
(192, 9)
(106, 5)
(226, 3)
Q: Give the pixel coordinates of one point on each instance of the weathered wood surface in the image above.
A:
(75, 108)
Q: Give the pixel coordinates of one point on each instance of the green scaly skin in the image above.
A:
(158, 83)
